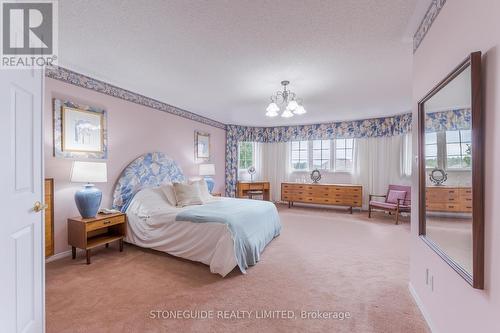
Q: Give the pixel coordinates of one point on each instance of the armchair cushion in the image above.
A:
(383, 205)
(395, 195)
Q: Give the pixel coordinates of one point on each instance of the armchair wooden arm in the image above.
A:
(404, 202)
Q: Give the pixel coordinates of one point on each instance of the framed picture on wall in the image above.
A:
(80, 131)
(201, 146)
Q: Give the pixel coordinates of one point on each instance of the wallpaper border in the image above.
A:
(429, 17)
(84, 81)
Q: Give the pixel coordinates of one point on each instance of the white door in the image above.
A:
(21, 243)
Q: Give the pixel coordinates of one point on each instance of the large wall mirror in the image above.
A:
(451, 211)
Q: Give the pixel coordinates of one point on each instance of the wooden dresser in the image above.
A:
(325, 194)
(448, 199)
(49, 217)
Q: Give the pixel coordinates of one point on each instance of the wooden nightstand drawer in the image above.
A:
(89, 226)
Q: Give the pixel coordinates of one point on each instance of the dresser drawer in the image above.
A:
(444, 207)
(436, 206)
(104, 223)
(465, 194)
(466, 207)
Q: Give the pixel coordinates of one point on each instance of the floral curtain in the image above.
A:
(451, 120)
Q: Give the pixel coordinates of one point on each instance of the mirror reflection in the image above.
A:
(448, 167)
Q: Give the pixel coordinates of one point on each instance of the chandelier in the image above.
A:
(285, 101)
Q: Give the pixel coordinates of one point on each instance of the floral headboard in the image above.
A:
(149, 170)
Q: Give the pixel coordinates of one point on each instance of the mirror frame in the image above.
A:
(476, 280)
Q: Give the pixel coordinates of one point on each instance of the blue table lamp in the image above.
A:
(88, 199)
(208, 170)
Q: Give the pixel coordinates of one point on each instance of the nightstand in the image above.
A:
(216, 194)
(88, 233)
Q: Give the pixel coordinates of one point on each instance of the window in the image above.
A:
(458, 149)
(246, 153)
(321, 154)
(331, 155)
(343, 154)
(299, 155)
(431, 150)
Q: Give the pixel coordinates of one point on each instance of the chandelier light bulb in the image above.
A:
(300, 110)
(271, 114)
(292, 105)
(272, 108)
(287, 113)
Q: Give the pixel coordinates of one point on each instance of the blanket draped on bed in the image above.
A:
(253, 224)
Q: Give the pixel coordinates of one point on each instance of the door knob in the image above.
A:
(38, 206)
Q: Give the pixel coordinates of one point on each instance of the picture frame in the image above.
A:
(202, 146)
(80, 131)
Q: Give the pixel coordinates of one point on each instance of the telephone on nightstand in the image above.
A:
(108, 211)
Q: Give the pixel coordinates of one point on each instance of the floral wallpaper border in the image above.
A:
(80, 80)
(431, 14)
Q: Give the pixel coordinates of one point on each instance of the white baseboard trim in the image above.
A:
(420, 305)
(58, 256)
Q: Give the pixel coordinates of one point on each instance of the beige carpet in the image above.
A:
(324, 260)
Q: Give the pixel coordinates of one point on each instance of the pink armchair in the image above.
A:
(397, 200)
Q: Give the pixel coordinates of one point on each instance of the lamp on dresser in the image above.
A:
(88, 199)
(208, 170)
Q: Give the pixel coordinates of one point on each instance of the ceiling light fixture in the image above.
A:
(289, 102)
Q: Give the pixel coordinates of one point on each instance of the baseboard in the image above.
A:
(420, 305)
(58, 256)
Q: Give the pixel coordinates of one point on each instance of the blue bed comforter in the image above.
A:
(253, 224)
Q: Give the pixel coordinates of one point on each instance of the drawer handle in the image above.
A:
(106, 222)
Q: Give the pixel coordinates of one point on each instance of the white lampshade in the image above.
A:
(300, 110)
(89, 172)
(207, 169)
(271, 113)
(287, 113)
(272, 108)
(292, 105)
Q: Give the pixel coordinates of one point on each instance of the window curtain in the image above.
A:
(378, 163)
(406, 155)
(273, 165)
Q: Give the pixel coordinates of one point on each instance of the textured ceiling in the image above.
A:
(223, 59)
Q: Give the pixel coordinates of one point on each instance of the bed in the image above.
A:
(222, 233)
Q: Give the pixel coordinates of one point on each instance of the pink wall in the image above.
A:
(132, 130)
(463, 26)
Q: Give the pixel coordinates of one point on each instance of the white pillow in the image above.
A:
(168, 191)
(187, 194)
(205, 194)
